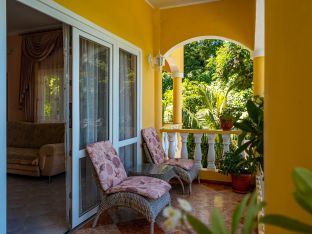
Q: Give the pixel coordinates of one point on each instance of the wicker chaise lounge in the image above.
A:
(154, 153)
(146, 195)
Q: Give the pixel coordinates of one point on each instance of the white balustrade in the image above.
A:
(172, 144)
(198, 152)
(211, 152)
(226, 142)
(184, 153)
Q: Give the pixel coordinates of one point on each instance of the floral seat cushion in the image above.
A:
(107, 164)
(153, 144)
(149, 187)
(186, 164)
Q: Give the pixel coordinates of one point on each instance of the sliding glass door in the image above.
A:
(106, 106)
(3, 115)
(92, 60)
(127, 88)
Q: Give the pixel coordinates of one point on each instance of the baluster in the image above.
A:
(226, 143)
(184, 153)
(172, 144)
(211, 152)
(165, 142)
(198, 153)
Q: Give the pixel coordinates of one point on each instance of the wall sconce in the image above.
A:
(158, 60)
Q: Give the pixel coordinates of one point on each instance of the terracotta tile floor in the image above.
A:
(203, 199)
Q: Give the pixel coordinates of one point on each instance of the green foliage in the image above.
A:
(252, 127)
(234, 163)
(302, 179)
(166, 82)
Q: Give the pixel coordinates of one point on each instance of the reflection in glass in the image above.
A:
(127, 155)
(88, 193)
(127, 95)
(93, 92)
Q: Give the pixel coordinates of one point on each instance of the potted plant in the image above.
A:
(227, 119)
(251, 140)
(240, 168)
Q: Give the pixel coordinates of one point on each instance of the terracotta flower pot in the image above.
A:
(242, 183)
(226, 124)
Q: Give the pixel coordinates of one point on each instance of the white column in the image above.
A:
(198, 153)
(226, 143)
(184, 153)
(211, 152)
(172, 144)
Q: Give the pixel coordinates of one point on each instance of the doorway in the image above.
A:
(36, 178)
(122, 123)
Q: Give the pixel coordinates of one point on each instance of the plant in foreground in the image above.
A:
(183, 218)
(303, 195)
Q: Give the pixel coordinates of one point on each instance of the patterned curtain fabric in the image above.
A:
(35, 48)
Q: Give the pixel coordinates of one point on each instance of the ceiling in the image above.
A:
(22, 19)
(163, 4)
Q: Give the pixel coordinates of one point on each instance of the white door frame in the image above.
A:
(77, 153)
(3, 111)
(117, 143)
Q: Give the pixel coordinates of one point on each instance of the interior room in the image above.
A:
(36, 195)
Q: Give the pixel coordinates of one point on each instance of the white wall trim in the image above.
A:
(178, 75)
(181, 4)
(170, 51)
(3, 112)
(150, 4)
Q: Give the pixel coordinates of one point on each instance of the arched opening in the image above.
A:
(213, 81)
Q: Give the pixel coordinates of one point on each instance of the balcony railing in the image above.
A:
(178, 148)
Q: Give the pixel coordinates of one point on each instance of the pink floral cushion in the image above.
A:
(186, 164)
(107, 164)
(143, 185)
(153, 144)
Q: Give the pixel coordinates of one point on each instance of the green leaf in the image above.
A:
(253, 111)
(243, 147)
(287, 223)
(217, 222)
(238, 212)
(251, 215)
(304, 201)
(198, 226)
(244, 125)
(303, 180)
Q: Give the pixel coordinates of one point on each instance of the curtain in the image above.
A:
(35, 48)
(49, 85)
(127, 95)
(93, 92)
(94, 111)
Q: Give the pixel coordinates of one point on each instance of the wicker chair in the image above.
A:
(154, 153)
(146, 195)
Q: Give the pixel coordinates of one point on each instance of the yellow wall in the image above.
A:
(233, 19)
(132, 20)
(258, 76)
(288, 101)
(13, 71)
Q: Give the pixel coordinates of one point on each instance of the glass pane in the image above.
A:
(88, 193)
(93, 92)
(127, 95)
(128, 155)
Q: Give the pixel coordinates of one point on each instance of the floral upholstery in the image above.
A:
(186, 164)
(107, 164)
(153, 144)
(149, 187)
